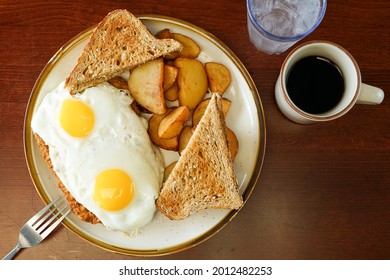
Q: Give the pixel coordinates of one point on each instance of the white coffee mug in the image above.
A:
(354, 90)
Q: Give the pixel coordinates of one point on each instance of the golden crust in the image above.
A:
(120, 42)
(78, 209)
(204, 176)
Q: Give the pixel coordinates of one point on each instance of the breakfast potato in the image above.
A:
(170, 75)
(199, 110)
(172, 93)
(192, 81)
(218, 77)
(146, 86)
(168, 170)
(190, 47)
(233, 142)
(167, 144)
(119, 83)
(184, 137)
(172, 124)
(136, 108)
(164, 34)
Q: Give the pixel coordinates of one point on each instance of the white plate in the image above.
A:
(161, 236)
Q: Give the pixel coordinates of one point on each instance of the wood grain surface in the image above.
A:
(324, 191)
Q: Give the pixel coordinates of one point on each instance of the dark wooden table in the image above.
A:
(324, 190)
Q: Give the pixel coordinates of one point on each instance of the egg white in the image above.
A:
(118, 140)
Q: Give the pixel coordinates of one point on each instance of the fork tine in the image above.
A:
(54, 225)
(40, 213)
(29, 236)
(47, 223)
(40, 220)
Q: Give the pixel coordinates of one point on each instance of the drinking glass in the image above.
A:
(276, 25)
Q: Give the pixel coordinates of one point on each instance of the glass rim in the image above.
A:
(281, 38)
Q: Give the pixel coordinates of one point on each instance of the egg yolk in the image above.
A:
(76, 118)
(114, 190)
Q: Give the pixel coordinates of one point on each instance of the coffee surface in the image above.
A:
(315, 84)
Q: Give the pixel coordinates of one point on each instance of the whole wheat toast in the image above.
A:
(204, 176)
(78, 209)
(120, 42)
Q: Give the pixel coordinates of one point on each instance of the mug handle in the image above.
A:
(370, 95)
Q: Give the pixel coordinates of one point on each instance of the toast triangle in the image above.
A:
(119, 43)
(204, 176)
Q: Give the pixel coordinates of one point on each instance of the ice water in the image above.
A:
(275, 25)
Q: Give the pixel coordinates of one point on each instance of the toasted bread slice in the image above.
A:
(119, 43)
(78, 209)
(204, 176)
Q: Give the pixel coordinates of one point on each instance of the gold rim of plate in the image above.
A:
(28, 138)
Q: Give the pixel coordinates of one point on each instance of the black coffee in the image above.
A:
(315, 84)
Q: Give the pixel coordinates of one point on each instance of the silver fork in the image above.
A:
(40, 225)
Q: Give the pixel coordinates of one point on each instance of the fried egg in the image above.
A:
(101, 152)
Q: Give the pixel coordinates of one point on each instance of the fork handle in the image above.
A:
(12, 253)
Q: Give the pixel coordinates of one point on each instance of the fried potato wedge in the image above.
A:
(164, 34)
(190, 48)
(168, 170)
(146, 86)
(191, 80)
(136, 108)
(167, 144)
(199, 110)
(233, 142)
(172, 93)
(184, 137)
(170, 75)
(218, 76)
(173, 123)
(119, 83)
